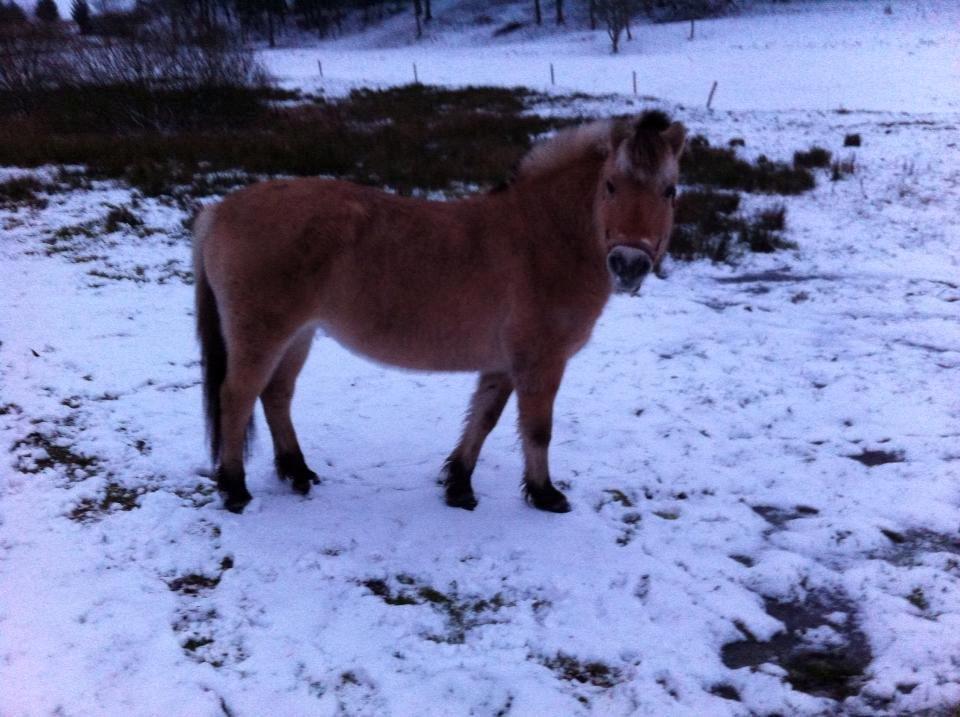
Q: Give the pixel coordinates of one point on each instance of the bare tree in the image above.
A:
(537, 14)
(559, 5)
(616, 16)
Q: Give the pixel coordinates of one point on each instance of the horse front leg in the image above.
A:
(493, 391)
(536, 385)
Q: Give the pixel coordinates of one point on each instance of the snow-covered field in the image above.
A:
(824, 55)
(708, 437)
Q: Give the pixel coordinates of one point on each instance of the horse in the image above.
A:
(507, 284)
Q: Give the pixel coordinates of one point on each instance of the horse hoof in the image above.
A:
(236, 501)
(461, 499)
(301, 484)
(547, 498)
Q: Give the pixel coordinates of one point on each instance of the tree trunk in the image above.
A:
(537, 15)
(272, 39)
(560, 18)
(417, 12)
(593, 14)
(427, 11)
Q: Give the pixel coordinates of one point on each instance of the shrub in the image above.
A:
(154, 80)
(841, 168)
(721, 167)
(851, 140)
(812, 158)
(707, 225)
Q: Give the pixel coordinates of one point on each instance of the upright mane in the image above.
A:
(567, 146)
(597, 139)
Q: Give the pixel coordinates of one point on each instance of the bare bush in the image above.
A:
(152, 79)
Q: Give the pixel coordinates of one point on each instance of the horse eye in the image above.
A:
(610, 188)
(670, 191)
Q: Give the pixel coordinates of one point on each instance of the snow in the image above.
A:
(704, 436)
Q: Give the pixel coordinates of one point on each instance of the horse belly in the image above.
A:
(428, 336)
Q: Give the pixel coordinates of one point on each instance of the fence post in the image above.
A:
(320, 67)
(634, 82)
(416, 79)
(712, 90)
(553, 80)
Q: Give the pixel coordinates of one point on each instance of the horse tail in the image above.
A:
(213, 349)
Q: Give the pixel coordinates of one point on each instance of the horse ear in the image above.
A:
(676, 136)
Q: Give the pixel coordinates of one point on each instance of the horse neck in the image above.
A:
(562, 202)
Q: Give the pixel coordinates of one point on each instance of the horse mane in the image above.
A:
(597, 139)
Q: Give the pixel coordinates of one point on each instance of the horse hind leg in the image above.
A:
(491, 395)
(276, 399)
(246, 376)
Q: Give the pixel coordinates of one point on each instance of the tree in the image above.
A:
(616, 16)
(537, 14)
(559, 6)
(46, 11)
(80, 12)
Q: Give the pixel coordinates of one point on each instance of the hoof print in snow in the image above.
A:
(778, 517)
(727, 692)
(872, 459)
(821, 657)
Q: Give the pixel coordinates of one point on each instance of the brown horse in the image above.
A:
(508, 284)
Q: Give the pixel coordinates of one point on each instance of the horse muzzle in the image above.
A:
(629, 266)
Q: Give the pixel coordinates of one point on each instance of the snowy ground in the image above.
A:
(707, 437)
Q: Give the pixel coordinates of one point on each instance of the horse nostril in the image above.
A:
(642, 265)
(617, 263)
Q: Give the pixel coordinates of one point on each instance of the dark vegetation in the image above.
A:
(815, 157)
(721, 167)
(571, 669)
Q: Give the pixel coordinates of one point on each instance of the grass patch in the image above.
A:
(119, 217)
(22, 191)
(75, 465)
(460, 613)
(590, 672)
(115, 498)
(835, 672)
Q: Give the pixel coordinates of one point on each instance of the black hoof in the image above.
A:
(292, 466)
(235, 501)
(233, 488)
(546, 497)
(459, 492)
(459, 498)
